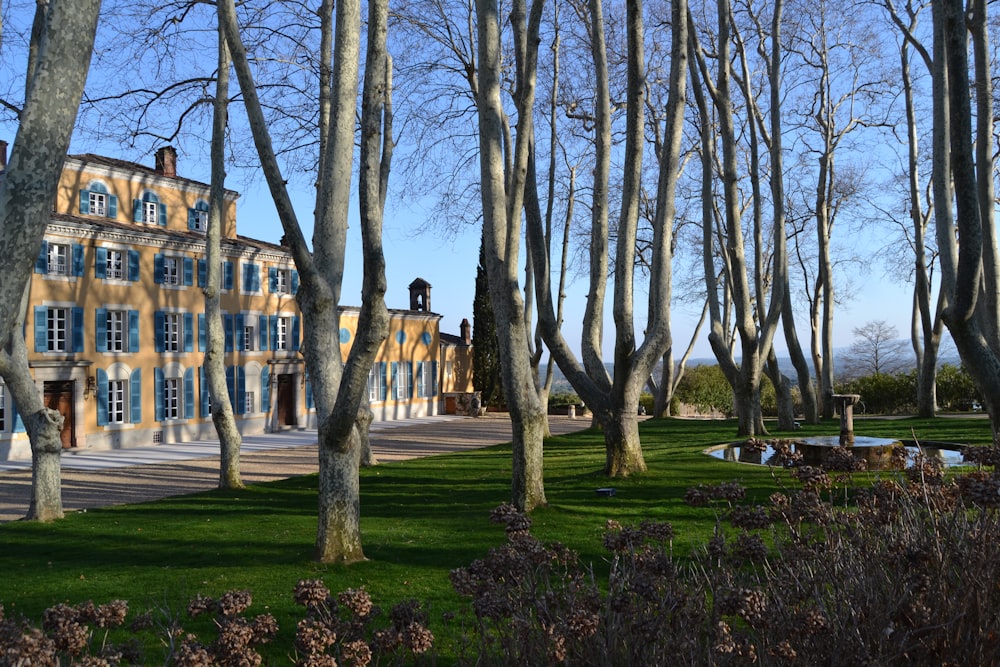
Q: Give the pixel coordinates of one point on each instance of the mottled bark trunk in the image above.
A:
(43, 426)
(61, 46)
(339, 537)
(502, 206)
(782, 394)
(230, 439)
(623, 451)
(363, 426)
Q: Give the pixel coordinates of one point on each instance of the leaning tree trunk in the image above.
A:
(223, 418)
(62, 42)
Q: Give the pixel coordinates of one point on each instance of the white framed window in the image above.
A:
(171, 271)
(401, 381)
(281, 336)
(98, 203)
(199, 220)
(426, 379)
(115, 269)
(171, 398)
(59, 258)
(248, 402)
(172, 325)
(282, 281)
(117, 401)
(117, 325)
(58, 329)
(150, 212)
(375, 382)
(248, 339)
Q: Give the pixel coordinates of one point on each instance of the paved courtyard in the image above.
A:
(114, 477)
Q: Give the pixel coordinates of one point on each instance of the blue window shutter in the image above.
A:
(409, 378)
(102, 397)
(245, 278)
(133, 331)
(158, 394)
(227, 324)
(310, 399)
(189, 394)
(188, 332)
(295, 333)
(227, 275)
(191, 214)
(272, 326)
(188, 271)
(272, 279)
(136, 210)
(202, 273)
(41, 329)
(420, 375)
(101, 263)
(18, 421)
(158, 268)
(255, 278)
(158, 330)
(231, 382)
(238, 324)
(265, 390)
(381, 371)
(394, 369)
(434, 378)
(77, 333)
(295, 282)
(241, 390)
(42, 262)
(262, 331)
(85, 202)
(133, 265)
(78, 266)
(202, 333)
(203, 386)
(101, 329)
(112, 206)
(162, 217)
(135, 396)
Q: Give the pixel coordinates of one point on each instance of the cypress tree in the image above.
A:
(485, 351)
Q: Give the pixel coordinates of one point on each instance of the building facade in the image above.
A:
(115, 328)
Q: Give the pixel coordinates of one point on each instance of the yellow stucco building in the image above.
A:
(116, 329)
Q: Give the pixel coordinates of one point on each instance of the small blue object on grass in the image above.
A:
(607, 491)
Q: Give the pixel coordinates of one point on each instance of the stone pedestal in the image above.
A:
(845, 406)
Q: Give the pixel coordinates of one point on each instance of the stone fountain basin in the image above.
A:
(877, 452)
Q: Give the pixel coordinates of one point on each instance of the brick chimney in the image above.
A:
(166, 161)
(466, 331)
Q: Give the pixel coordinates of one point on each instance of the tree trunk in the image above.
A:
(782, 394)
(223, 418)
(623, 452)
(62, 42)
(502, 208)
(338, 539)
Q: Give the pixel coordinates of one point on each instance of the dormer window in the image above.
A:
(149, 210)
(198, 217)
(96, 200)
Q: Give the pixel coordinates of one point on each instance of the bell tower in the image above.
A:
(420, 295)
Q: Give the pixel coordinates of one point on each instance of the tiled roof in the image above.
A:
(136, 167)
(451, 339)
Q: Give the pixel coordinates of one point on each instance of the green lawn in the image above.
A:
(420, 519)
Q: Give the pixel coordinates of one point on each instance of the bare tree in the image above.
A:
(61, 45)
(877, 350)
(338, 387)
(969, 274)
(215, 368)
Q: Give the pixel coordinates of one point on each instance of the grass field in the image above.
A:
(420, 520)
